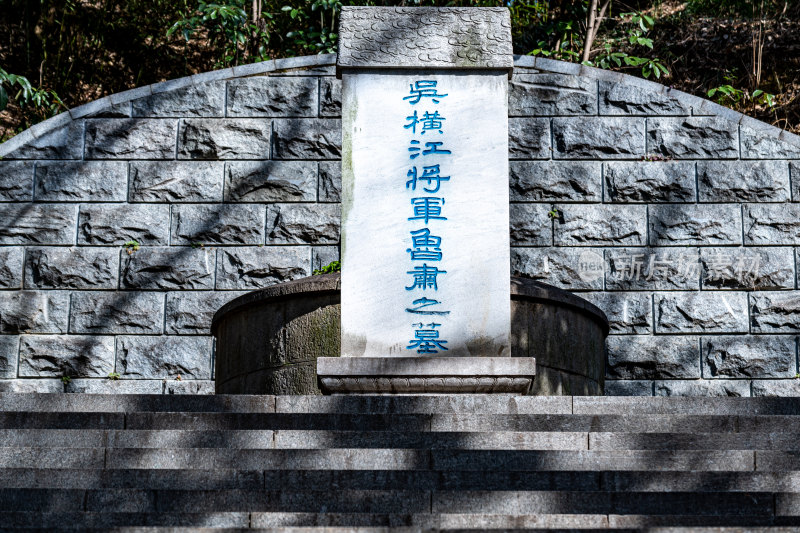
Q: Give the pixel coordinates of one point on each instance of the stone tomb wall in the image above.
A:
(677, 217)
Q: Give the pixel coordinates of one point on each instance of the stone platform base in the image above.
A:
(425, 375)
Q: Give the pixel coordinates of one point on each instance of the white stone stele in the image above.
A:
(376, 232)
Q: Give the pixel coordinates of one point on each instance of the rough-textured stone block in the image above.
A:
(769, 268)
(598, 138)
(172, 268)
(16, 181)
(224, 138)
(203, 100)
(117, 312)
(34, 312)
(308, 139)
(623, 99)
(772, 224)
(647, 357)
(71, 268)
(219, 224)
(756, 145)
(693, 138)
(37, 224)
(718, 388)
(741, 181)
(565, 268)
(749, 357)
(530, 225)
(778, 387)
(117, 386)
(303, 224)
(628, 388)
(119, 223)
(271, 181)
(164, 357)
(9, 348)
(322, 256)
(630, 269)
(39, 386)
(600, 224)
(774, 312)
(330, 97)
(190, 313)
(253, 268)
(678, 225)
(551, 94)
(65, 355)
(330, 181)
(273, 96)
(68, 181)
(543, 181)
(529, 138)
(11, 267)
(627, 312)
(176, 181)
(189, 387)
(701, 312)
(130, 139)
(62, 143)
(657, 181)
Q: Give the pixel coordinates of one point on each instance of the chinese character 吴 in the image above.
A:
(427, 208)
(423, 89)
(425, 247)
(426, 340)
(423, 302)
(425, 277)
(429, 174)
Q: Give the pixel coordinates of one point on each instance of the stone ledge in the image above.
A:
(429, 385)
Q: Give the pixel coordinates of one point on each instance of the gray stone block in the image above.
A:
(117, 386)
(116, 224)
(330, 97)
(562, 267)
(749, 357)
(271, 181)
(632, 269)
(307, 139)
(767, 268)
(624, 99)
(34, 312)
(322, 256)
(601, 225)
(190, 313)
(649, 357)
(256, 267)
(693, 138)
(37, 224)
(646, 182)
(740, 181)
(719, 388)
(774, 312)
(174, 268)
(130, 138)
(627, 312)
(772, 224)
(62, 143)
(757, 145)
(71, 268)
(65, 355)
(194, 386)
(227, 138)
(776, 387)
(203, 100)
(117, 312)
(330, 181)
(176, 181)
(11, 267)
(628, 388)
(9, 350)
(67, 181)
(218, 224)
(598, 138)
(273, 96)
(16, 181)
(530, 225)
(38, 386)
(701, 312)
(529, 138)
(551, 94)
(545, 181)
(303, 224)
(164, 357)
(679, 225)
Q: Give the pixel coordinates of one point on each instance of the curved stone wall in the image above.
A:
(229, 181)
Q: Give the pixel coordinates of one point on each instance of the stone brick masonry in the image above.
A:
(230, 181)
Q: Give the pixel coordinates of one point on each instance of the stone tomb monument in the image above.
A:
(425, 214)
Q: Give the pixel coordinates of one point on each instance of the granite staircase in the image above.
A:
(415, 463)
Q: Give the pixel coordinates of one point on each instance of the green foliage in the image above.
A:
(316, 25)
(38, 103)
(65, 379)
(728, 94)
(131, 247)
(330, 268)
(113, 376)
(637, 27)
